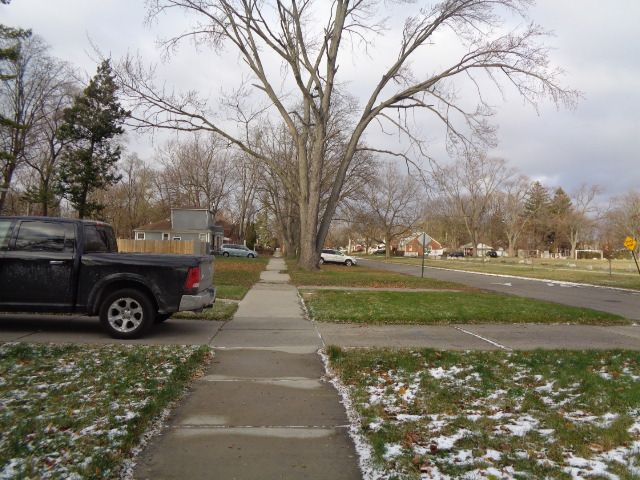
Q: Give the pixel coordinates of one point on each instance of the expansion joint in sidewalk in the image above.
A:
(495, 344)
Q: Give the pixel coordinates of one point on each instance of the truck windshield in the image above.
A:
(99, 239)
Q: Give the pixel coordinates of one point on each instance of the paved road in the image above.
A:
(20, 327)
(620, 302)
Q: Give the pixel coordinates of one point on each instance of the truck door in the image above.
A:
(5, 236)
(38, 265)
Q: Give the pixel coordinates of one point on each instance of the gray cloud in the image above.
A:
(596, 43)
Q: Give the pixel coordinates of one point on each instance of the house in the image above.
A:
(479, 251)
(184, 224)
(412, 245)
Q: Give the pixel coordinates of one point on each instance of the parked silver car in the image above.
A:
(232, 250)
(336, 256)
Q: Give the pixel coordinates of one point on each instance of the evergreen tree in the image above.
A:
(90, 128)
(537, 209)
(560, 211)
(560, 203)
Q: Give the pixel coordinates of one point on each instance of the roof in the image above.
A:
(417, 237)
(481, 246)
(162, 225)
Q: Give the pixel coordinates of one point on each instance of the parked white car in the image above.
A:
(335, 256)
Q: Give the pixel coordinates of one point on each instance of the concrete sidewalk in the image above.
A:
(263, 409)
(482, 336)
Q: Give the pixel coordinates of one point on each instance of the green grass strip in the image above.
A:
(358, 276)
(234, 276)
(437, 308)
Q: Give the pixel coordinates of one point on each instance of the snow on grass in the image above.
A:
(495, 415)
(76, 411)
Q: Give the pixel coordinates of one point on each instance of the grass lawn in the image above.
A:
(75, 412)
(496, 415)
(595, 272)
(431, 308)
(221, 311)
(234, 276)
(358, 276)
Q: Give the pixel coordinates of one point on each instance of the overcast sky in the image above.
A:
(596, 42)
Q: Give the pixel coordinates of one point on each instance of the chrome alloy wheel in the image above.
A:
(125, 314)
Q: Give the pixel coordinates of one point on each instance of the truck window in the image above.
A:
(37, 236)
(5, 230)
(99, 239)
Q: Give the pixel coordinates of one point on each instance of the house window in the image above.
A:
(203, 237)
(139, 235)
(177, 238)
(165, 236)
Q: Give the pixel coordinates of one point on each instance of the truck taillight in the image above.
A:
(193, 278)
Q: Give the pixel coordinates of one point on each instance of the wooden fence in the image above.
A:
(190, 247)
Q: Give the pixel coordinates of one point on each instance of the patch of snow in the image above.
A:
(519, 427)
(580, 468)
(440, 373)
(548, 387)
(403, 417)
(493, 455)
(444, 442)
(392, 450)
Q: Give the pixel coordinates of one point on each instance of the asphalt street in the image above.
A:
(620, 302)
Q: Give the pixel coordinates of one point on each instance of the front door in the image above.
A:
(37, 267)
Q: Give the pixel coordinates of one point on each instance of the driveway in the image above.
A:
(620, 302)
(79, 329)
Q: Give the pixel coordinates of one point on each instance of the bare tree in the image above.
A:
(130, 203)
(470, 186)
(47, 146)
(512, 200)
(247, 177)
(308, 38)
(277, 186)
(392, 204)
(32, 79)
(581, 217)
(197, 172)
(624, 216)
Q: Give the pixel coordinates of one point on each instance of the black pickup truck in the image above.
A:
(73, 266)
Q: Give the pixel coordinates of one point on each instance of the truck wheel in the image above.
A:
(348, 263)
(127, 313)
(225, 254)
(321, 261)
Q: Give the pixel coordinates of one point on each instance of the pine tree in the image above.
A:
(537, 209)
(560, 211)
(90, 127)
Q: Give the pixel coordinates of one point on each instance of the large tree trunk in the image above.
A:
(310, 241)
(511, 247)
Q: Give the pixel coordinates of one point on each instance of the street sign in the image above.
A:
(630, 243)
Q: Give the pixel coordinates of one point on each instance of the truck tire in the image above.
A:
(127, 313)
